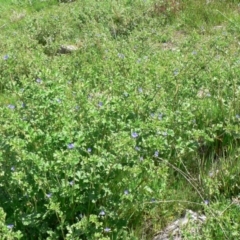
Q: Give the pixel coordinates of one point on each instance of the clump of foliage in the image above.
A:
(118, 138)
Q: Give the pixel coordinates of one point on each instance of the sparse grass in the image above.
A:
(121, 136)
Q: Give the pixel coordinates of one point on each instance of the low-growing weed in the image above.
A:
(118, 137)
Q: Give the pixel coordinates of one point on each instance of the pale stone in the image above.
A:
(173, 230)
(65, 49)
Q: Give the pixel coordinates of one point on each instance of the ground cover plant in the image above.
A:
(119, 137)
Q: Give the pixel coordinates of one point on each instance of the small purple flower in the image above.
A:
(102, 213)
(6, 57)
(11, 106)
(38, 80)
(206, 202)
(71, 183)
(100, 104)
(164, 134)
(107, 230)
(121, 55)
(70, 146)
(10, 226)
(137, 148)
(134, 135)
(156, 153)
(89, 150)
(49, 195)
(194, 52)
(176, 72)
(153, 200)
(126, 192)
(58, 100)
(13, 169)
(152, 115)
(160, 116)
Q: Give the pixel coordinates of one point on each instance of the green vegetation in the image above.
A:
(119, 137)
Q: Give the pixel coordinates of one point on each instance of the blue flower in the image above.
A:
(102, 213)
(71, 183)
(156, 154)
(6, 57)
(206, 202)
(38, 80)
(120, 55)
(100, 104)
(107, 229)
(160, 116)
(11, 106)
(134, 135)
(13, 169)
(126, 192)
(176, 72)
(70, 146)
(89, 150)
(49, 195)
(137, 148)
(10, 226)
(140, 90)
(141, 158)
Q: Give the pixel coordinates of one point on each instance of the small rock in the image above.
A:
(66, 49)
(173, 230)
